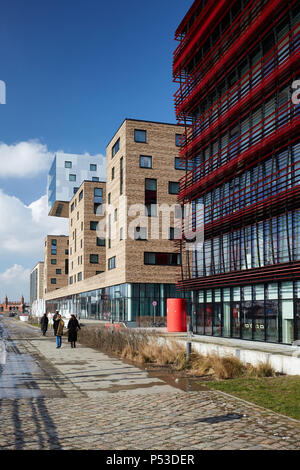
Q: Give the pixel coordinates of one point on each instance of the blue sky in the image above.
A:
(74, 70)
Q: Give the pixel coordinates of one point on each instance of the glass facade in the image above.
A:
(124, 302)
(241, 152)
(261, 312)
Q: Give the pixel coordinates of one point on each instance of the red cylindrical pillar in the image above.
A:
(176, 315)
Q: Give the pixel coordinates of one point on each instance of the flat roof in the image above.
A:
(144, 120)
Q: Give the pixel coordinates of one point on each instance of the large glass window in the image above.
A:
(151, 196)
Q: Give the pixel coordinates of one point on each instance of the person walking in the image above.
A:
(44, 324)
(55, 322)
(73, 327)
(59, 330)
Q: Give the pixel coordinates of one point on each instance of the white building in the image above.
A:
(66, 174)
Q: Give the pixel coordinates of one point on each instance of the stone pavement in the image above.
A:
(88, 400)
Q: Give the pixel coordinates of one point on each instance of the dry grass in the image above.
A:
(144, 348)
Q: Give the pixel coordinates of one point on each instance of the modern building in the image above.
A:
(87, 253)
(141, 265)
(235, 65)
(56, 262)
(66, 174)
(37, 289)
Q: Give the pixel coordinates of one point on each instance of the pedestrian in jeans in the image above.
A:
(44, 324)
(73, 327)
(59, 331)
(55, 322)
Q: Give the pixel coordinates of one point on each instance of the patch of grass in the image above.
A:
(280, 394)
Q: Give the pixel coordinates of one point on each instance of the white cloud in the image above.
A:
(24, 159)
(24, 228)
(14, 282)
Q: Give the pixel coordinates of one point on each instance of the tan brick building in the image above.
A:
(56, 262)
(140, 263)
(87, 254)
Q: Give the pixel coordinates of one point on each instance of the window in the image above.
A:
(115, 148)
(93, 167)
(162, 259)
(66, 252)
(100, 241)
(53, 261)
(113, 173)
(80, 195)
(98, 195)
(53, 280)
(108, 198)
(79, 276)
(94, 259)
(140, 233)
(171, 233)
(53, 251)
(98, 210)
(75, 189)
(72, 206)
(71, 280)
(112, 263)
(72, 177)
(116, 215)
(140, 136)
(58, 271)
(178, 165)
(177, 140)
(121, 176)
(54, 242)
(68, 164)
(121, 233)
(151, 196)
(173, 187)
(93, 225)
(145, 161)
(95, 178)
(77, 215)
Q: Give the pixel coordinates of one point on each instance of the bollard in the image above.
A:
(188, 350)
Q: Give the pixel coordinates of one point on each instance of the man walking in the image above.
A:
(44, 324)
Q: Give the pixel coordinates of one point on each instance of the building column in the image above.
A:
(129, 305)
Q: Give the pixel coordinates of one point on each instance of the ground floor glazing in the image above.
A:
(124, 302)
(262, 312)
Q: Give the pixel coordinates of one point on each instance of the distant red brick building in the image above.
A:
(12, 306)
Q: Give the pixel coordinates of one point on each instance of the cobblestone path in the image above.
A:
(80, 406)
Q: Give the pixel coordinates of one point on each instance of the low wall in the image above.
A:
(288, 363)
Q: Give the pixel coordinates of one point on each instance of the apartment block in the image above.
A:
(37, 282)
(56, 262)
(87, 252)
(235, 65)
(66, 174)
(142, 265)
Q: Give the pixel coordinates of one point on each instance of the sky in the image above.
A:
(74, 70)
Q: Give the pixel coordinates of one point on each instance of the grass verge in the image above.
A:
(280, 394)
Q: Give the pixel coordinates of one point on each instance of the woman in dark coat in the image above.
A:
(73, 327)
(44, 324)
